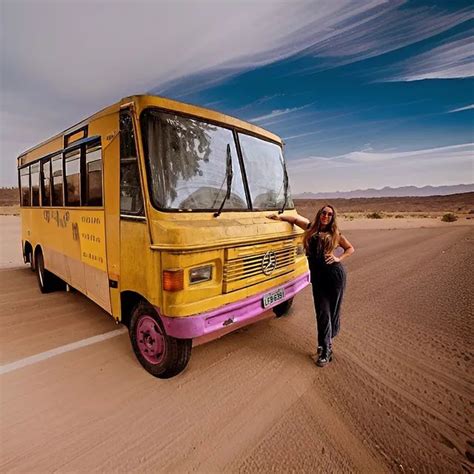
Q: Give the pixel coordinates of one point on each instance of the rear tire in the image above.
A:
(283, 309)
(31, 260)
(47, 281)
(161, 355)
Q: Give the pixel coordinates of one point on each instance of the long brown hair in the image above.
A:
(331, 240)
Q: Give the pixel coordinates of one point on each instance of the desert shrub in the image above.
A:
(374, 215)
(449, 217)
(399, 216)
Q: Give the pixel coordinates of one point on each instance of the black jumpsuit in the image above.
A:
(328, 281)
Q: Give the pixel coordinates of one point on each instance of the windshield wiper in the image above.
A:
(229, 175)
(285, 185)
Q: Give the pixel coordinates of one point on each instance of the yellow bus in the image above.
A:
(156, 210)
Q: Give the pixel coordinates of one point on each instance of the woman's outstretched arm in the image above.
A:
(298, 220)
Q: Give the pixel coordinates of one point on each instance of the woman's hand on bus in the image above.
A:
(275, 217)
(331, 258)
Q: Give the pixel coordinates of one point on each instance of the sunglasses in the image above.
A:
(326, 213)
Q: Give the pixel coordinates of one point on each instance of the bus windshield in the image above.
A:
(265, 170)
(188, 164)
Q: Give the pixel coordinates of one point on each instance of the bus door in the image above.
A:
(133, 225)
(111, 163)
(87, 253)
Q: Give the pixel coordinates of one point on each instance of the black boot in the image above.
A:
(324, 357)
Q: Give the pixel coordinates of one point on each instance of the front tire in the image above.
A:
(161, 355)
(283, 309)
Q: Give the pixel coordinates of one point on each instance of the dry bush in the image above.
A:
(449, 217)
(374, 215)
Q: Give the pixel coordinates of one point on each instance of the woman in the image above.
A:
(328, 276)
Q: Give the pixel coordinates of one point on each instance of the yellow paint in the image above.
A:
(74, 137)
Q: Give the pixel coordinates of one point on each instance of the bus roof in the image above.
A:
(143, 101)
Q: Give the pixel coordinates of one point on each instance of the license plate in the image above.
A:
(273, 297)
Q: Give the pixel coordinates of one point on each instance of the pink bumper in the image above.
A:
(236, 314)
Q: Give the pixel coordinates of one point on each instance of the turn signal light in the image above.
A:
(173, 280)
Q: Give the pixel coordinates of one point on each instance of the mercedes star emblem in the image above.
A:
(268, 263)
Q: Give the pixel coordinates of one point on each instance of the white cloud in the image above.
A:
(276, 113)
(461, 109)
(299, 135)
(364, 169)
(454, 59)
(379, 30)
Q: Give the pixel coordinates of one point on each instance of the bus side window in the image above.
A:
(25, 186)
(94, 175)
(46, 183)
(57, 170)
(131, 200)
(35, 182)
(72, 165)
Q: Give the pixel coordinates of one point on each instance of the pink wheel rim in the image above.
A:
(150, 340)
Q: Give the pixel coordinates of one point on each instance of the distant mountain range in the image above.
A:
(390, 192)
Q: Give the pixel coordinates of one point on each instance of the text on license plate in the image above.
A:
(273, 297)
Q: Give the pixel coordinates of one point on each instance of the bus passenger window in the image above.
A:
(35, 181)
(94, 175)
(57, 170)
(131, 201)
(72, 164)
(25, 186)
(46, 183)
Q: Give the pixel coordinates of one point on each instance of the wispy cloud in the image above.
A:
(440, 153)
(340, 32)
(277, 113)
(436, 166)
(299, 135)
(375, 31)
(453, 59)
(461, 109)
(262, 100)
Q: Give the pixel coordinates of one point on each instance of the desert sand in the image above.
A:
(397, 398)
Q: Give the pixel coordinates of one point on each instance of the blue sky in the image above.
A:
(364, 94)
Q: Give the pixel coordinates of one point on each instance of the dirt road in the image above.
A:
(398, 397)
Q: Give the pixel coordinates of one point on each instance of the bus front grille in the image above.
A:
(258, 265)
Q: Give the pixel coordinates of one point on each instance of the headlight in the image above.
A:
(300, 250)
(200, 274)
